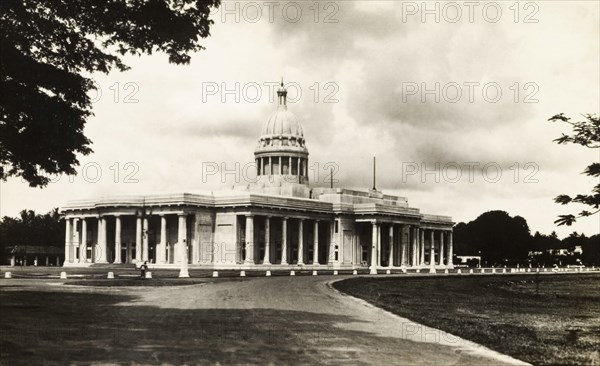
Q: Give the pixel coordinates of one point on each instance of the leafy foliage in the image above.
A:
(48, 47)
(33, 229)
(500, 238)
(495, 235)
(585, 133)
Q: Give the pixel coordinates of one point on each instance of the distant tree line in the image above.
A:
(504, 240)
(31, 229)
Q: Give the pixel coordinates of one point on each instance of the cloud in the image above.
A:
(363, 61)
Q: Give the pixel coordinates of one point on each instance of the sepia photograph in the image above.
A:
(309, 182)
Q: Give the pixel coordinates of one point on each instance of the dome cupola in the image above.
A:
(281, 147)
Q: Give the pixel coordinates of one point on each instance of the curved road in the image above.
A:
(302, 320)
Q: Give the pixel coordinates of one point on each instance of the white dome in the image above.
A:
(282, 123)
(282, 132)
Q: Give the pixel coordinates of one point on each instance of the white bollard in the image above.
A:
(418, 271)
(493, 270)
(63, 275)
(528, 269)
(403, 270)
(268, 274)
(471, 270)
(355, 272)
(388, 272)
(446, 271)
(242, 273)
(148, 274)
(482, 271)
(292, 273)
(432, 270)
(503, 270)
(458, 271)
(110, 275)
(314, 273)
(215, 274)
(335, 273)
(183, 272)
(7, 275)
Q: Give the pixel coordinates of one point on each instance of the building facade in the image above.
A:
(277, 221)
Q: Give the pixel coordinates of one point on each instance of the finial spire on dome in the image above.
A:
(282, 94)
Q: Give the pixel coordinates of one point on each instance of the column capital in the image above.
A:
(181, 214)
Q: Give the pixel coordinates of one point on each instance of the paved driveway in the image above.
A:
(304, 316)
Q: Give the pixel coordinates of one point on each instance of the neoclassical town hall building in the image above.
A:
(277, 222)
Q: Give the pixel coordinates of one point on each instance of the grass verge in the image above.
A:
(541, 319)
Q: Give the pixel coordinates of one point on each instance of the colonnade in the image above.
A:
(282, 242)
(412, 251)
(282, 165)
(76, 237)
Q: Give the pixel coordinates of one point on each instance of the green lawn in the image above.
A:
(544, 319)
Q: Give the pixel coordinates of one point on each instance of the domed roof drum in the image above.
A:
(282, 132)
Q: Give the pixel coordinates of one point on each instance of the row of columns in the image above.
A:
(249, 238)
(263, 162)
(141, 239)
(416, 241)
(411, 251)
(22, 259)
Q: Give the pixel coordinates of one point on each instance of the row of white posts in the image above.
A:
(111, 275)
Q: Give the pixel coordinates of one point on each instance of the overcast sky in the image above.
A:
(369, 74)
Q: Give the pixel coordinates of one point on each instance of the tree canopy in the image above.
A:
(495, 235)
(48, 46)
(585, 133)
(33, 229)
(500, 239)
